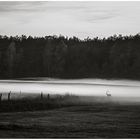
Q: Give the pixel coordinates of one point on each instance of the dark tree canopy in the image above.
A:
(59, 56)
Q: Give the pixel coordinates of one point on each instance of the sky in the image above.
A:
(70, 18)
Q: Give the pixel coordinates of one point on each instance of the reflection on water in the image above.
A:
(95, 87)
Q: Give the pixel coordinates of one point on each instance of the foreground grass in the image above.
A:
(97, 120)
(69, 117)
(36, 103)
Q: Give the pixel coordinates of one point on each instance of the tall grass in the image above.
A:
(38, 102)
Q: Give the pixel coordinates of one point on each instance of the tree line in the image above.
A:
(63, 57)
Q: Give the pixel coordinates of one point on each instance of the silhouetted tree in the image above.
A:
(53, 56)
(11, 58)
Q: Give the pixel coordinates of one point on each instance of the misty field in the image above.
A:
(93, 87)
(82, 110)
(97, 120)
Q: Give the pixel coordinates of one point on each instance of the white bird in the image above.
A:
(107, 93)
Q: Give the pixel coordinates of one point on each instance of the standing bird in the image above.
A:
(107, 93)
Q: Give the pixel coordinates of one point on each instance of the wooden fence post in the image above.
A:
(20, 94)
(48, 97)
(0, 97)
(41, 95)
(9, 94)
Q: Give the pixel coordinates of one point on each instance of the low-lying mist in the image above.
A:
(89, 90)
(109, 100)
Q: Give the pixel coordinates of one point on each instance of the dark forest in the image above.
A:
(62, 57)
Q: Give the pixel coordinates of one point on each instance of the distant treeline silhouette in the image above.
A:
(63, 57)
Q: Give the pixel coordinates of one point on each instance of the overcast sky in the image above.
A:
(81, 19)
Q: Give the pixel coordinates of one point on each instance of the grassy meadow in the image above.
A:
(68, 116)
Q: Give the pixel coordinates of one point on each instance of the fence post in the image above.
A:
(48, 97)
(41, 95)
(9, 94)
(0, 97)
(20, 94)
